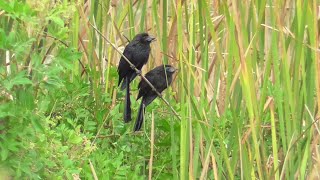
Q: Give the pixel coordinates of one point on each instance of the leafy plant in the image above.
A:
(247, 91)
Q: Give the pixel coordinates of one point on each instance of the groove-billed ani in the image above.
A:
(160, 77)
(137, 51)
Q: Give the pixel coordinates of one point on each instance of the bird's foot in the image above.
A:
(138, 72)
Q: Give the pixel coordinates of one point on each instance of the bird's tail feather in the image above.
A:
(124, 85)
(127, 103)
(140, 117)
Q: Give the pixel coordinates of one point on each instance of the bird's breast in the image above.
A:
(142, 54)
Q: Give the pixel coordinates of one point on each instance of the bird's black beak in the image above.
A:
(150, 39)
(171, 69)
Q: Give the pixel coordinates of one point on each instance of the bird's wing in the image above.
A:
(151, 76)
(149, 99)
(143, 86)
(124, 67)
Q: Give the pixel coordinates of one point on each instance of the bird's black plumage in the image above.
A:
(160, 77)
(137, 51)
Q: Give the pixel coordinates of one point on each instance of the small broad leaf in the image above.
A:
(74, 139)
(37, 125)
(57, 20)
(4, 153)
(19, 79)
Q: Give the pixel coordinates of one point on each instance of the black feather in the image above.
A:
(137, 52)
(160, 77)
(140, 117)
(127, 103)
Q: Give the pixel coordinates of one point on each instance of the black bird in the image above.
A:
(160, 77)
(137, 51)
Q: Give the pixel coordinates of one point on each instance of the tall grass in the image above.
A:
(248, 86)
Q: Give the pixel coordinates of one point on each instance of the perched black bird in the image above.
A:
(137, 51)
(160, 77)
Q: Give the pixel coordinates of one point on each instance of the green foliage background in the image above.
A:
(247, 91)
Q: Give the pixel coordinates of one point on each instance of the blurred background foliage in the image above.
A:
(247, 91)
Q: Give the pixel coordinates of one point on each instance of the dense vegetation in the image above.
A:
(247, 91)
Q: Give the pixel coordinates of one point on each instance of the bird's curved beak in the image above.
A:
(150, 39)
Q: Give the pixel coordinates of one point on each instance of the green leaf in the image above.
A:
(19, 79)
(36, 124)
(75, 139)
(4, 153)
(57, 20)
(5, 6)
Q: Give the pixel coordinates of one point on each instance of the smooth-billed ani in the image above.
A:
(160, 77)
(137, 51)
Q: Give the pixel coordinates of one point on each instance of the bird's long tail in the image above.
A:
(127, 103)
(140, 117)
(124, 85)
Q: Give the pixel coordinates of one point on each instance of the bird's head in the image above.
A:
(144, 38)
